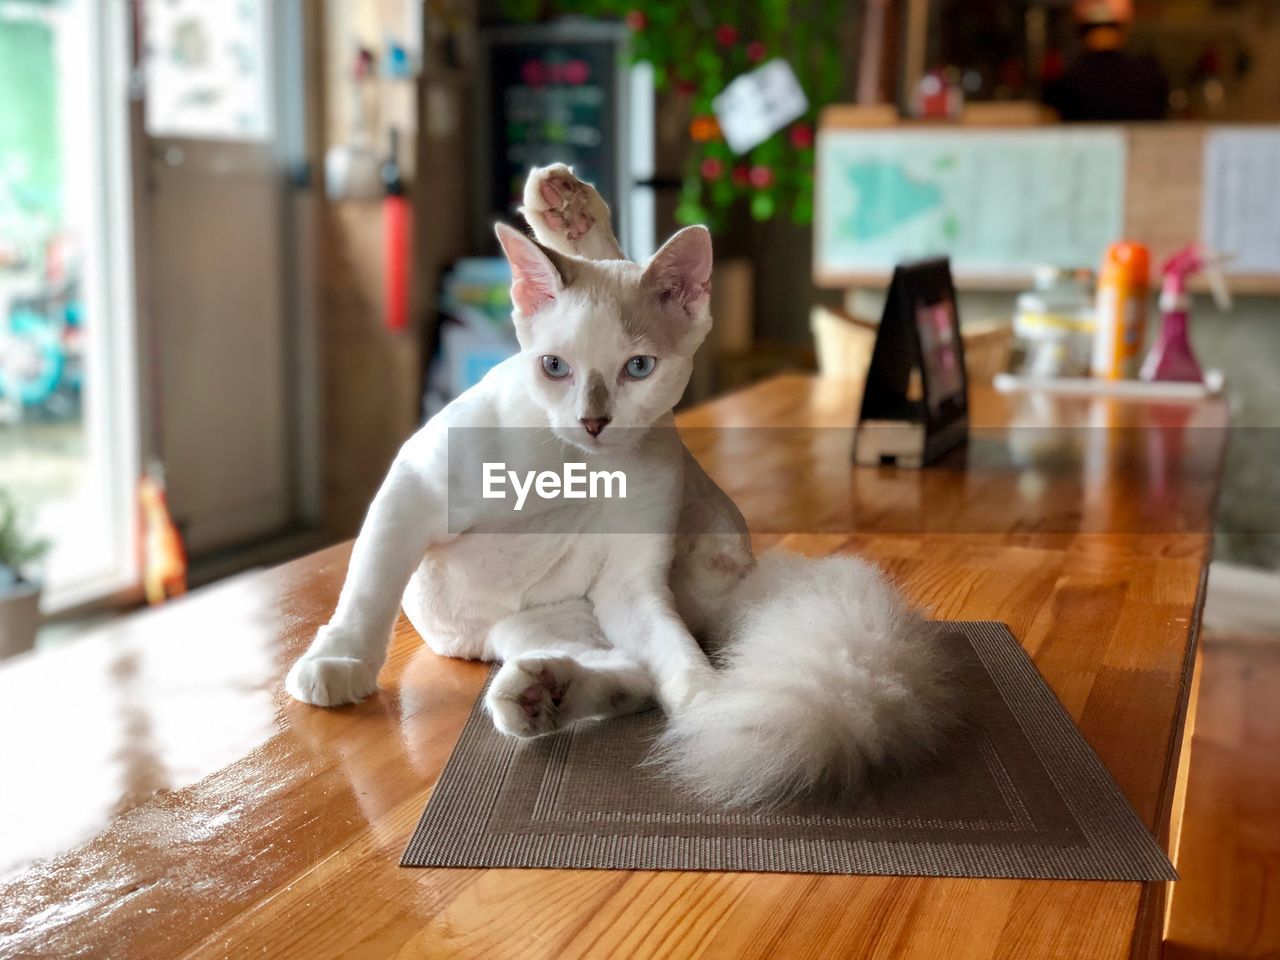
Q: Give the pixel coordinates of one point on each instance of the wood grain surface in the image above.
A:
(162, 797)
(1228, 906)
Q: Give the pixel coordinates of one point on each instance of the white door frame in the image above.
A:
(112, 398)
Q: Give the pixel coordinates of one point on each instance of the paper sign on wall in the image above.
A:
(758, 104)
(1241, 184)
(208, 69)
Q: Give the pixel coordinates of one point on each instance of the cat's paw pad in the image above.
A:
(563, 203)
(331, 681)
(528, 696)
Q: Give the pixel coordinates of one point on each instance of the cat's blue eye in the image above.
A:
(555, 368)
(638, 368)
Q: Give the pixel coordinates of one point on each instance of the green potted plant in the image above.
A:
(19, 587)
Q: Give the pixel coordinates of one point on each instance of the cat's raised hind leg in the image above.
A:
(569, 215)
(556, 670)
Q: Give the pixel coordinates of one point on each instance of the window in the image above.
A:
(68, 410)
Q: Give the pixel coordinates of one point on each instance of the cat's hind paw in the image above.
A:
(685, 688)
(528, 697)
(331, 681)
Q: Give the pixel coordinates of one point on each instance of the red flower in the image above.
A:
(636, 20)
(711, 168)
(726, 35)
(760, 176)
(741, 175)
(756, 51)
(685, 87)
(801, 136)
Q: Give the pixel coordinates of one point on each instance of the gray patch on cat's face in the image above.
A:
(596, 406)
(645, 318)
(642, 312)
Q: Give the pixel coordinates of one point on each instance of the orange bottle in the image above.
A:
(164, 561)
(1121, 323)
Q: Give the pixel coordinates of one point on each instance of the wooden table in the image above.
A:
(161, 797)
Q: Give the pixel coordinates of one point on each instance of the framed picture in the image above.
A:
(915, 406)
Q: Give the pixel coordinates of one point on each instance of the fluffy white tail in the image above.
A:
(826, 674)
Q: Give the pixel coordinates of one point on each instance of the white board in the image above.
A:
(999, 203)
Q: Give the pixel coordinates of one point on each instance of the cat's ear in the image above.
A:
(535, 281)
(681, 270)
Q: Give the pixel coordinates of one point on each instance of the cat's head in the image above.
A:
(608, 345)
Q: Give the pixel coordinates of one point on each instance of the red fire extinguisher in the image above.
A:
(397, 225)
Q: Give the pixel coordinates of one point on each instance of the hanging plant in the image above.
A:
(696, 50)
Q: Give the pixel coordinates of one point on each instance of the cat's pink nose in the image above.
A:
(595, 425)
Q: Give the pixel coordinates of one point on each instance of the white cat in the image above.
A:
(823, 671)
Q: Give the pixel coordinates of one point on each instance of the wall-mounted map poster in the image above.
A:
(997, 203)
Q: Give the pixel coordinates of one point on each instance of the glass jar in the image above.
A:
(1053, 324)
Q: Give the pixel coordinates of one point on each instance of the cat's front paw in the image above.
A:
(557, 202)
(331, 681)
(528, 697)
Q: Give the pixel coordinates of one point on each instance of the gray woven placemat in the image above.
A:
(1020, 794)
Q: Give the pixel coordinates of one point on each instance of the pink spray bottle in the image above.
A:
(1171, 356)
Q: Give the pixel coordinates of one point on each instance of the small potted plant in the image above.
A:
(19, 588)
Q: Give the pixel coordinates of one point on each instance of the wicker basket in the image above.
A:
(844, 344)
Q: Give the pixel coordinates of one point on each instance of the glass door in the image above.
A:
(68, 383)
